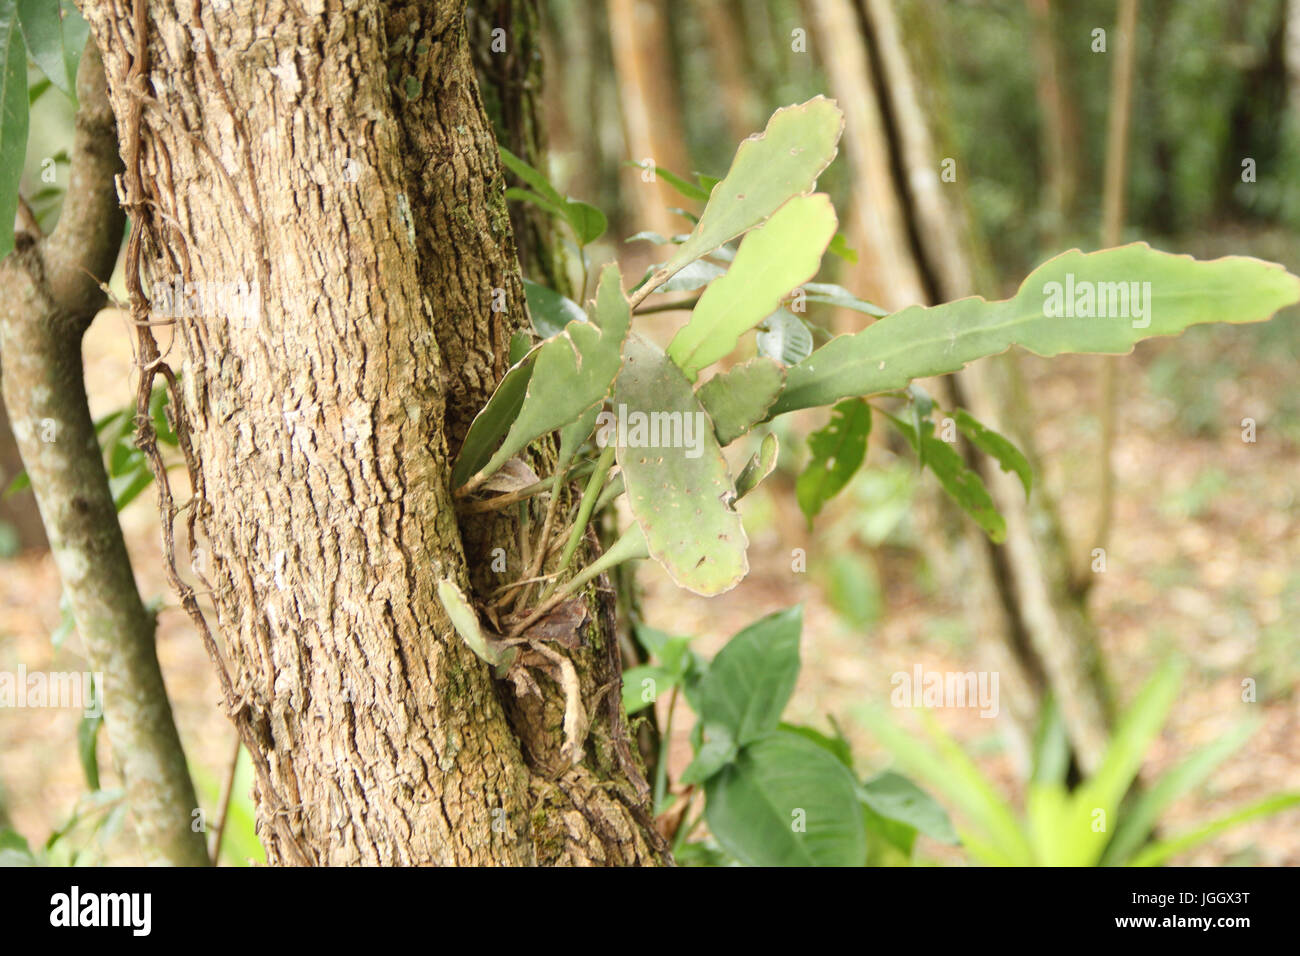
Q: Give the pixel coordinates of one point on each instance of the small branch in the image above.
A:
(227, 789)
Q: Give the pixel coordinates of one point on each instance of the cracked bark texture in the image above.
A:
(338, 156)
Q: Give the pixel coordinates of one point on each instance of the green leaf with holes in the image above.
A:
(837, 454)
(1007, 455)
(676, 478)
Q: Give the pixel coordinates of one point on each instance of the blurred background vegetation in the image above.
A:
(1205, 554)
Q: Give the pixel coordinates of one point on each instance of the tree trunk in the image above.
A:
(50, 291)
(638, 31)
(342, 161)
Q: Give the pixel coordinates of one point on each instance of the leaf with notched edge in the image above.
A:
(557, 383)
(680, 496)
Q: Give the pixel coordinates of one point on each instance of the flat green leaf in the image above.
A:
(826, 293)
(837, 454)
(465, 620)
(43, 30)
(759, 466)
(962, 484)
(837, 746)
(1007, 455)
(550, 312)
(749, 682)
(516, 194)
(840, 247)
(738, 398)
(784, 161)
(894, 797)
(531, 176)
(87, 737)
(786, 802)
(676, 478)
(784, 337)
(718, 750)
(13, 118)
(1174, 292)
(75, 33)
(588, 222)
(686, 188)
(773, 259)
(1157, 853)
(556, 383)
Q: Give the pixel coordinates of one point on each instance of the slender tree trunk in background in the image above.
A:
(18, 510)
(505, 37)
(370, 213)
(639, 36)
(887, 272)
(1057, 114)
(1015, 589)
(734, 86)
(1124, 51)
(50, 295)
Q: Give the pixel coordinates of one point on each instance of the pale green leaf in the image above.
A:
(784, 161)
(771, 260)
(676, 478)
(739, 397)
(919, 342)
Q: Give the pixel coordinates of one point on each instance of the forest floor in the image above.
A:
(1204, 563)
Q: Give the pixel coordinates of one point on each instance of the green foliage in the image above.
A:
(1091, 825)
(920, 342)
(738, 398)
(779, 794)
(587, 222)
(13, 117)
(701, 546)
(56, 34)
(556, 383)
(837, 452)
(771, 261)
(785, 161)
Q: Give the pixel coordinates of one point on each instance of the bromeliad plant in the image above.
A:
(1099, 822)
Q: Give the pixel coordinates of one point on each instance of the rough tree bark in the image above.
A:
(51, 293)
(340, 158)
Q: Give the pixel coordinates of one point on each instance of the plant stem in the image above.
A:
(665, 741)
(589, 496)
